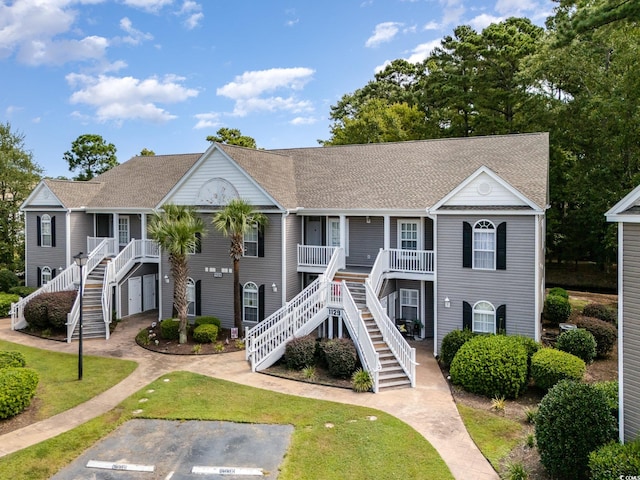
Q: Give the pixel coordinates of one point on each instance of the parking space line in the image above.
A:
(227, 471)
(129, 467)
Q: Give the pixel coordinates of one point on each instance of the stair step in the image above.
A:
(396, 384)
(391, 376)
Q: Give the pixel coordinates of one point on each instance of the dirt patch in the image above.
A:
(321, 376)
(26, 417)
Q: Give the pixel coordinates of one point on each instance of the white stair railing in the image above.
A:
(109, 276)
(361, 339)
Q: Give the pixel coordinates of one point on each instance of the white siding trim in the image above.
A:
(283, 246)
(623, 204)
(67, 238)
(536, 280)
(387, 231)
(620, 331)
(436, 300)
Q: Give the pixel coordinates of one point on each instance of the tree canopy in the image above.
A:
(90, 155)
(232, 136)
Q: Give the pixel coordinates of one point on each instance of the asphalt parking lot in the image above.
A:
(169, 450)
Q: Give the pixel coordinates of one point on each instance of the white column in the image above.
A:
(143, 226)
(343, 232)
(116, 229)
(387, 232)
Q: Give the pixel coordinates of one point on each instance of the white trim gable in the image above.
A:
(484, 188)
(632, 199)
(42, 196)
(218, 175)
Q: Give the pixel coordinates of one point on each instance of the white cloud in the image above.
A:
(418, 54)
(193, 11)
(509, 8)
(193, 20)
(148, 5)
(135, 36)
(431, 26)
(43, 52)
(123, 98)
(207, 120)
(384, 32)
(303, 121)
(482, 21)
(11, 109)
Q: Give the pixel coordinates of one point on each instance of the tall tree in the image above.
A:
(235, 220)
(19, 174)
(145, 152)
(91, 156)
(175, 229)
(232, 136)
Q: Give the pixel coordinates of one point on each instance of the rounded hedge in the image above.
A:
(341, 357)
(17, 388)
(208, 321)
(557, 309)
(170, 329)
(11, 359)
(493, 365)
(35, 312)
(22, 291)
(49, 310)
(6, 299)
(606, 334)
(610, 390)
(601, 312)
(451, 343)
(615, 460)
(559, 292)
(573, 420)
(300, 352)
(549, 366)
(8, 280)
(206, 333)
(578, 342)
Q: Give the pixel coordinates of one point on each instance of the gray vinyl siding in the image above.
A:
(631, 330)
(135, 227)
(293, 237)
(81, 228)
(514, 287)
(365, 240)
(140, 271)
(52, 257)
(217, 292)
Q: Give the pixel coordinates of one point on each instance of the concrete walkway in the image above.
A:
(428, 408)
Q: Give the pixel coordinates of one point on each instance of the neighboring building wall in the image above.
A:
(294, 237)
(514, 287)
(631, 330)
(38, 256)
(81, 227)
(365, 240)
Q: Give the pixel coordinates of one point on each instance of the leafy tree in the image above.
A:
(19, 174)
(91, 156)
(232, 136)
(145, 152)
(175, 229)
(234, 220)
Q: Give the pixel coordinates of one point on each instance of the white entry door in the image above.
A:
(148, 292)
(135, 295)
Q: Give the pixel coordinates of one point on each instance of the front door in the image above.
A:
(135, 295)
(313, 231)
(149, 292)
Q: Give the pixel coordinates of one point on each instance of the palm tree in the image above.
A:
(234, 220)
(175, 229)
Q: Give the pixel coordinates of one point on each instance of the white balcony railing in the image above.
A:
(112, 244)
(410, 261)
(314, 255)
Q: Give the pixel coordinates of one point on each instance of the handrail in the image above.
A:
(360, 336)
(380, 265)
(134, 250)
(315, 255)
(336, 262)
(112, 244)
(414, 261)
(109, 275)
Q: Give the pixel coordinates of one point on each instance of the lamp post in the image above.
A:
(81, 260)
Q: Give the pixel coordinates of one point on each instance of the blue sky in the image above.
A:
(164, 74)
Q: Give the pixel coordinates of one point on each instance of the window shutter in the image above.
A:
(260, 242)
(39, 270)
(501, 247)
(53, 231)
(467, 252)
(501, 319)
(53, 273)
(39, 233)
(198, 243)
(261, 303)
(467, 316)
(198, 298)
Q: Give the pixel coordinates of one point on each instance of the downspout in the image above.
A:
(435, 284)
(283, 273)
(537, 276)
(68, 238)
(620, 332)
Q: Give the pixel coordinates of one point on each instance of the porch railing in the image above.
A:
(315, 255)
(135, 250)
(112, 244)
(413, 261)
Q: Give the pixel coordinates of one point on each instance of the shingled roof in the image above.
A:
(403, 175)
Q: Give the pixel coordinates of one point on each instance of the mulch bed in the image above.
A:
(224, 343)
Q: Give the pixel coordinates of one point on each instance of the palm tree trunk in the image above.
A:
(179, 271)
(237, 301)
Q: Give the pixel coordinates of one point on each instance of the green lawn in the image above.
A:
(355, 448)
(59, 388)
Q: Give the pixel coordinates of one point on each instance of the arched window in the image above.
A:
(45, 275)
(45, 232)
(484, 245)
(250, 302)
(484, 317)
(191, 297)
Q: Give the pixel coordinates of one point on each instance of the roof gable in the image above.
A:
(626, 209)
(42, 196)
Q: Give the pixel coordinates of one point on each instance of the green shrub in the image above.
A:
(549, 366)
(491, 365)
(578, 342)
(530, 345)
(300, 352)
(170, 329)
(451, 343)
(606, 334)
(573, 420)
(11, 359)
(361, 381)
(556, 309)
(341, 356)
(206, 333)
(35, 313)
(17, 388)
(6, 299)
(558, 292)
(142, 338)
(614, 461)
(610, 390)
(8, 280)
(601, 312)
(49, 310)
(22, 291)
(208, 321)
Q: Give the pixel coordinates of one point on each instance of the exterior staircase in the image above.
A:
(93, 325)
(392, 374)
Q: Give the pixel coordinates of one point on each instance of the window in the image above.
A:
(408, 235)
(484, 245)
(123, 230)
(191, 297)
(250, 302)
(408, 304)
(45, 275)
(484, 318)
(45, 232)
(251, 242)
(197, 245)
